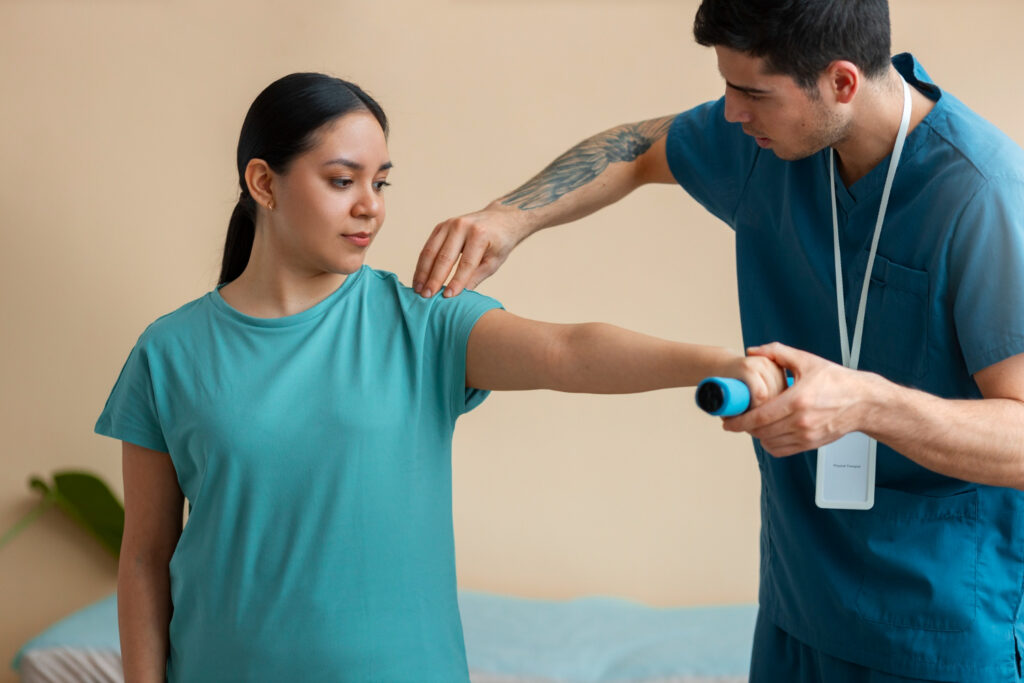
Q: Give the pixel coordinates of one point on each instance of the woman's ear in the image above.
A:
(260, 180)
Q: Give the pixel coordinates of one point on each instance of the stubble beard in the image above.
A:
(831, 130)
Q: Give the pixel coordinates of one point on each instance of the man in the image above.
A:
(927, 584)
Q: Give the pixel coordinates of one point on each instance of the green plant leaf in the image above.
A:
(26, 520)
(88, 501)
(39, 485)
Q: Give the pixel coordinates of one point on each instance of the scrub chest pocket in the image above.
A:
(920, 560)
(896, 323)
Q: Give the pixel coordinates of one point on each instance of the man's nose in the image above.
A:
(735, 111)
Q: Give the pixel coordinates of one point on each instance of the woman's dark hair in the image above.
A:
(282, 124)
(800, 38)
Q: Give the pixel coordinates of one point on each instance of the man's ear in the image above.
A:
(842, 79)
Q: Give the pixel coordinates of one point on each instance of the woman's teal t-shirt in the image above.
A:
(315, 453)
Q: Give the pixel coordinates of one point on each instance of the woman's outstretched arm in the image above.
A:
(506, 352)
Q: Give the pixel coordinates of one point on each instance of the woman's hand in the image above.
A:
(763, 377)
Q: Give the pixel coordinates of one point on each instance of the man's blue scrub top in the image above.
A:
(928, 583)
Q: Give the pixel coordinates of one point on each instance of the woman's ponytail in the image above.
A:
(238, 245)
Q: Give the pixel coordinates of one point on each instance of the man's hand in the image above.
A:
(824, 403)
(483, 240)
(597, 172)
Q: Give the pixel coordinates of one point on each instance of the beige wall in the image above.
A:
(118, 121)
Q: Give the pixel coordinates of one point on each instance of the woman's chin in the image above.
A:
(347, 265)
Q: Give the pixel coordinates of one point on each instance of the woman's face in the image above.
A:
(329, 204)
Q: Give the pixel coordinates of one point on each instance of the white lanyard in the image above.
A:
(852, 356)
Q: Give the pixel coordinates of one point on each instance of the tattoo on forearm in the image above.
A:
(586, 161)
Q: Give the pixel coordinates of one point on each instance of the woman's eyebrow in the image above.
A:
(355, 165)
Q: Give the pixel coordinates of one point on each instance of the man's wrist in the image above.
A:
(874, 399)
(521, 222)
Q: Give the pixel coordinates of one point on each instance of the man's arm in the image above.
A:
(595, 173)
(974, 440)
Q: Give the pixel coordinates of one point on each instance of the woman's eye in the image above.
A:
(379, 185)
(341, 182)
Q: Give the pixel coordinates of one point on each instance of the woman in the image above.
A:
(305, 409)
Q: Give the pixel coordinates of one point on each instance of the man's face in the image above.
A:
(774, 110)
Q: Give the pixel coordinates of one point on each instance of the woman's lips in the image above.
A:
(360, 239)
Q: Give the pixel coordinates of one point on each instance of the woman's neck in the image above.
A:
(271, 288)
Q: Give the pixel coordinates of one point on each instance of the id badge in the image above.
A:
(846, 473)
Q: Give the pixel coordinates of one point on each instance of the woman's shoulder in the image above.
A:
(173, 325)
(385, 284)
(390, 282)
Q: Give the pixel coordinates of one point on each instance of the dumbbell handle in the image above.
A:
(725, 396)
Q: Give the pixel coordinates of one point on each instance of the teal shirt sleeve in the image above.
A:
(452, 321)
(711, 158)
(130, 413)
(987, 274)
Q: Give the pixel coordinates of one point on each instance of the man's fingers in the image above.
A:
(482, 272)
(468, 249)
(781, 438)
(784, 356)
(472, 253)
(783, 449)
(444, 261)
(788, 443)
(769, 413)
(783, 430)
(794, 434)
(425, 263)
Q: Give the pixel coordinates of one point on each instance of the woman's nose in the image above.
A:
(369, 203)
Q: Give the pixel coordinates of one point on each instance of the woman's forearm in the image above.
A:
(144, 616)
(599, 358)
(506, 352)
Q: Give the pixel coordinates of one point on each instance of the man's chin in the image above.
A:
(789, 155)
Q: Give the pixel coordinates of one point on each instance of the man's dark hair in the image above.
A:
(800, 38)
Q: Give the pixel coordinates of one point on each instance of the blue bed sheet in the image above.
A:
(588, 640)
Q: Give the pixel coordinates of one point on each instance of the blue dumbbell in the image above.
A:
(725, 396)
